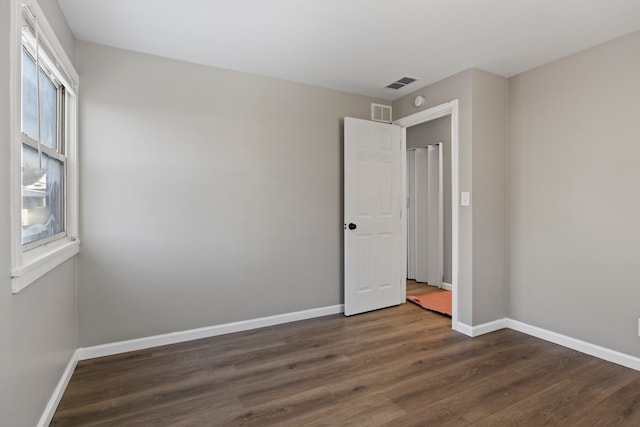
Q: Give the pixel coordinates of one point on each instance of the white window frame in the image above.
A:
(29, 263)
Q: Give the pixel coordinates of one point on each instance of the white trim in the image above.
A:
(442, 110)
(206, 332)
(15, 151)
(489, 327)
(71, 151)
(463, 328)
(60, 58)
(484, 328)
(427, 115)
(455, 203)
(27, 265)
(554, 337)
(403, 214)
(58, 392)
(576, 344)
(40, 261)
(446, 286)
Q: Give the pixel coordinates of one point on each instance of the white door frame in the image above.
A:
(442, 110)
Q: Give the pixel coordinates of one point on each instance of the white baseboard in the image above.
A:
(485, 328)
(554, 337)
(206, 332)
(447, 286)
(56, 396)
(576, 344)
(488, 327)
(463, 328)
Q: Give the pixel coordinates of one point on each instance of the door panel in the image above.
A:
(411, 215)
(372, 192)
(422, 212)
(426, 248)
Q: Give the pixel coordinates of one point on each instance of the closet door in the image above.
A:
(411, 215)
(425, 229)
(435, 228)
(421, 180)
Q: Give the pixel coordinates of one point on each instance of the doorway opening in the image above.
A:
(429, 203)
(427, 118)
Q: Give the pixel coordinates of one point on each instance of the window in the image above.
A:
(44, 162)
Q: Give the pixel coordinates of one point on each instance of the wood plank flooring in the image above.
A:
(401, 366)
(417, 289)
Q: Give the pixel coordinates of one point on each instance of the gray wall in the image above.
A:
(574, 209)
(490, 124)
(57, 20)
(433, 132)
(482, 135)
(208, 196)
(37, 325)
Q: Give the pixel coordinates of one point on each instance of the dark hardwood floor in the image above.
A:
(417, 288)
(402, 366)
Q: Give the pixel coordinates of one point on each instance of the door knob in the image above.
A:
(352, 226)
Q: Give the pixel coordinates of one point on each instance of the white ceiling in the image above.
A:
(357, 46)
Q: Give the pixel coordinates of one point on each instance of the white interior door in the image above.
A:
(372, 216)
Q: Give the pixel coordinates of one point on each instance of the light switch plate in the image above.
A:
(464, 198)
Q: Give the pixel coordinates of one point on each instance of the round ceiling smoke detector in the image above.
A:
(419, 101)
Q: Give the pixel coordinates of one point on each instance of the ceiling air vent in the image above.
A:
(401, 83)
(381, 113)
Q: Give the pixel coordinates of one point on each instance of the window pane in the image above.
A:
(48, 104)
(48, 112)
(42, 196)
(29, 100)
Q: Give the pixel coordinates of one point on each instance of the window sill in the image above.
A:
(38, 262)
